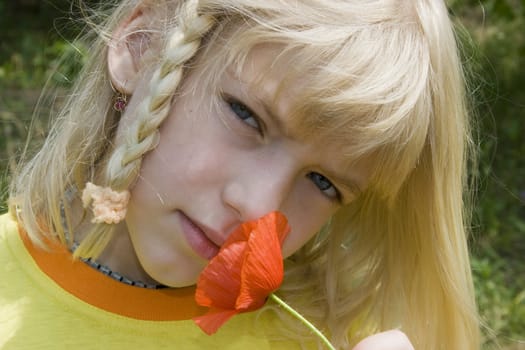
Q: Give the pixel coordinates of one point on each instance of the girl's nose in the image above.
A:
(260, 189)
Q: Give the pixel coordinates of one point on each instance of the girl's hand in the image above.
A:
(389, 340)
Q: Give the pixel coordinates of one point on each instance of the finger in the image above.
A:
(389, 340)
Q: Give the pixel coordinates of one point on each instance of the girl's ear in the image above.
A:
(130, 40)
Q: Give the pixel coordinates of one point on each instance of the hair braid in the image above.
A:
(142, 136)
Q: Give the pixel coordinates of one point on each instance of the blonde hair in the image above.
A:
(385, 82)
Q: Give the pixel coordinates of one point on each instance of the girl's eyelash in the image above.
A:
(324, 185)
(243, 113)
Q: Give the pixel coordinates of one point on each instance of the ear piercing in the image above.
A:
(119, 102)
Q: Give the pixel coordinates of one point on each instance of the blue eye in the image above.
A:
(244, 114)
(324, 185)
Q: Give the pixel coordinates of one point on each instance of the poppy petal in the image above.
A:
(242, 233)
(246, 270)
(219, 283)
(276, 222)
(214, 319)
(262, 271)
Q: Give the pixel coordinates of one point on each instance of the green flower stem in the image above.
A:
(302, 319)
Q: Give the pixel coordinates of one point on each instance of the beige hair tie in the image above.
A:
(108, 206)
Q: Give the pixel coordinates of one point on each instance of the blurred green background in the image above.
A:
(34, 34)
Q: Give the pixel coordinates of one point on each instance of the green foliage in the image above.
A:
(34, 59)
(30, 55)
(499, 235)
(29, 49)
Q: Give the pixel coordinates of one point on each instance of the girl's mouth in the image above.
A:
(197, 238)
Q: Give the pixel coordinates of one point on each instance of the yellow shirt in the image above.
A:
(50, 301)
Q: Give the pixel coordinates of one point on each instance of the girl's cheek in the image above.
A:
(307, 214)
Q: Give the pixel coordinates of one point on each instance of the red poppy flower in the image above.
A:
(248, 267)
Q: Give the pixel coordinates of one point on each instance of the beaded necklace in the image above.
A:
(93, 263)
(115, 275)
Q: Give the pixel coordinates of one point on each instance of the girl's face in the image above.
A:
(217, 165)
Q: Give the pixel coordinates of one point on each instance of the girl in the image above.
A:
(191, 117)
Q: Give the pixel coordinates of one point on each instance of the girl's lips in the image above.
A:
(197, 239)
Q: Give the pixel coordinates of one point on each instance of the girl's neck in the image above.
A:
(119, 255)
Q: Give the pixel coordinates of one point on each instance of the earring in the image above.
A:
(120, 102)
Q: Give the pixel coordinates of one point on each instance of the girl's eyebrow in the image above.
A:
(254, 91)
(347, 183)
(270, 112)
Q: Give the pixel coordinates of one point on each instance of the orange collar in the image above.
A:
(99, 290)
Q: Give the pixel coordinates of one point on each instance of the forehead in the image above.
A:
(269, 75)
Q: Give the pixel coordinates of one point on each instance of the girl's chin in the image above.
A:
(183, 276)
